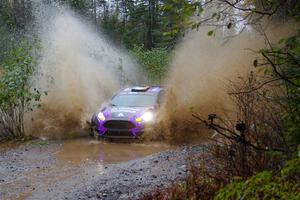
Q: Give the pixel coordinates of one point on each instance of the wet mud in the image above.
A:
(89, 169)
(79, 150)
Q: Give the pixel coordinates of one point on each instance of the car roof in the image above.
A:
(148, 90)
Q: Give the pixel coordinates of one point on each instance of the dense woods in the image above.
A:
(144, 23)
(260, 155)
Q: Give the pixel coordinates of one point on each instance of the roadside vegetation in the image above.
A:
(17, 96)
(256, 155)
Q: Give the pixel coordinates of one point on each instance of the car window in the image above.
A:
(134, 100)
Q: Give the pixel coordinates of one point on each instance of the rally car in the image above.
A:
(129, 113)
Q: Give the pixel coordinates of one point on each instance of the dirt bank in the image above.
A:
(36, 171)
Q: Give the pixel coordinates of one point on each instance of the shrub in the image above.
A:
(265, 185)
(16, 94)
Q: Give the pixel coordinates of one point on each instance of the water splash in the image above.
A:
(80, 70)
(201, 68)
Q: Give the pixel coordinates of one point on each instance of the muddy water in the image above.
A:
(79, 150)
(46, 171)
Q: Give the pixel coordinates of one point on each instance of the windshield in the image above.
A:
(134, 100)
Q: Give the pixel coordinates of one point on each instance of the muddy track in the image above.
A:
(34, 172)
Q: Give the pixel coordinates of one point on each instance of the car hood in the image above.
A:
(124, 113)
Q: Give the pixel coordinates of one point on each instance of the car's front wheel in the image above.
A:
(93, 132)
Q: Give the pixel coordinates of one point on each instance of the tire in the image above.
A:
(93, 132)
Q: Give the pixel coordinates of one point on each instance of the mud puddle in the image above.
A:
(80, 150)
(52, 169)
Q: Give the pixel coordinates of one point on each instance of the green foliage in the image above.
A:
(154, 62)
(178, 13)
(15, 15)
(265, 185)
(292, 167)
(152, 24)
(210, 33)
(5, 41)
(284, 62)
(6, 16)
(16, 94)
(292, 66)
(81, 6)
(17, 70)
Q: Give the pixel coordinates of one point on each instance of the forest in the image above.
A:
(253, 145)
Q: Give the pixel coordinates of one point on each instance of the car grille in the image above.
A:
(118, 124)
(118, 134)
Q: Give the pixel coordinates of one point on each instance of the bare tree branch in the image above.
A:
(277, 72)
(234, 5)
(255, 88)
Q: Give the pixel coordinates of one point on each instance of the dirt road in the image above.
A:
(84, 169)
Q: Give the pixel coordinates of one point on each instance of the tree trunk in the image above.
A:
(149, 40)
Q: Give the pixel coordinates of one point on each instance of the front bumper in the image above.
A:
(120, 134)
(119, 129)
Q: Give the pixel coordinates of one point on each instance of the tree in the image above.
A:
(15, 14)
(154, 62)
(147, 23)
